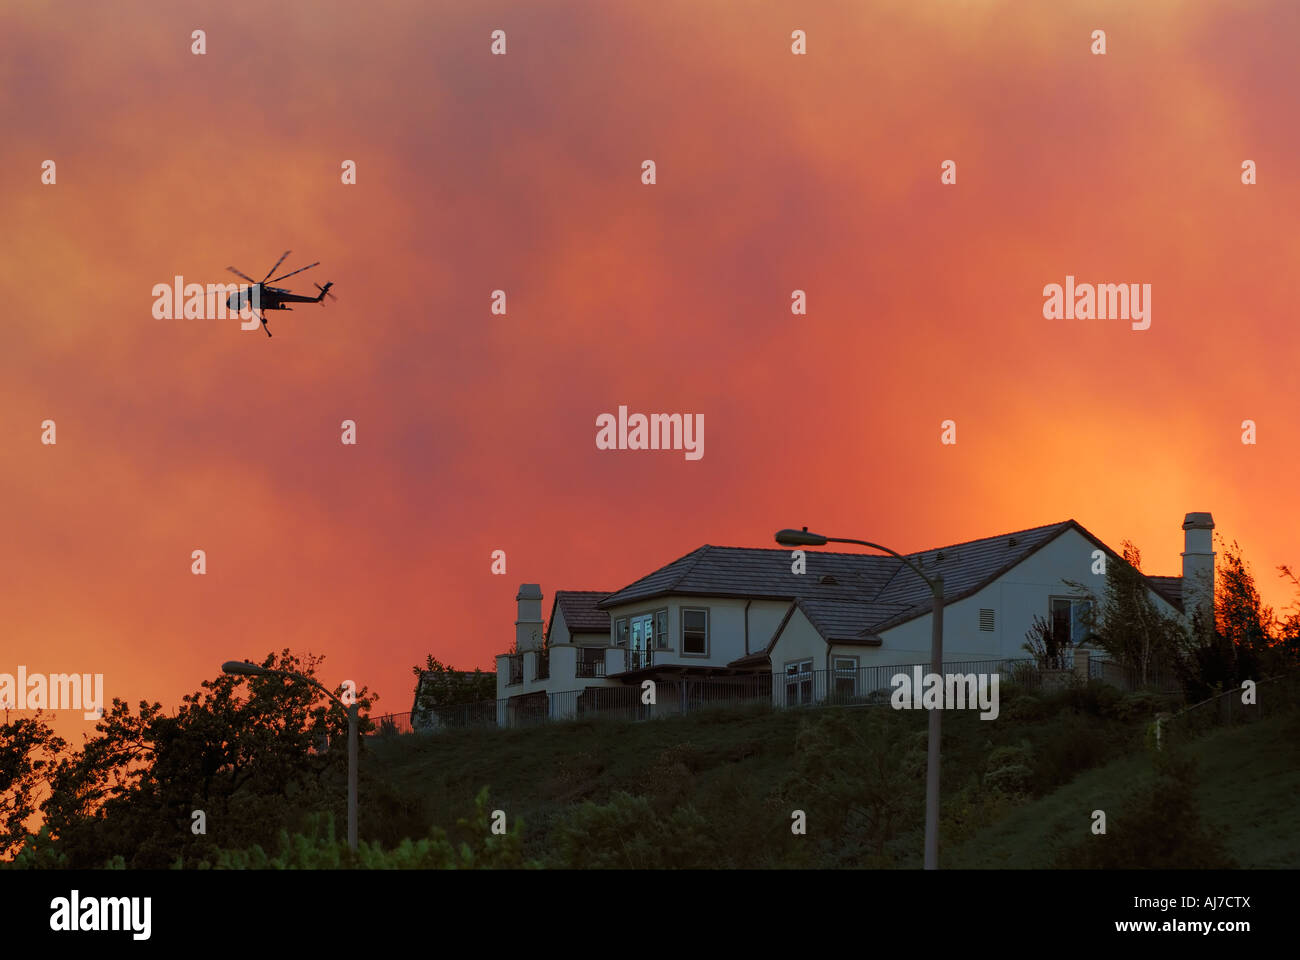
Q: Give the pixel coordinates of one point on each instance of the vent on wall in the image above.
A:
(827, 578)
(986, 619)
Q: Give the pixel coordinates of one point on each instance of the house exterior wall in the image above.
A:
(559, 630)
(1020, 594)
(726, 635)
(799, 641)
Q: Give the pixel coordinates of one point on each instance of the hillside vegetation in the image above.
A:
(720, 789)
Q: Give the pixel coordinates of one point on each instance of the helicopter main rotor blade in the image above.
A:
(239, 274)
(277, 264)
(299, 270)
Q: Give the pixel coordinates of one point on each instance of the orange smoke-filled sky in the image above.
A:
(523, 173)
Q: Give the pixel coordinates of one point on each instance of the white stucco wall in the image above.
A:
(559, 629)
(727, 618)
(1016, 598)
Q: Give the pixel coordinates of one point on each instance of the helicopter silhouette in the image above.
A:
(265, 297)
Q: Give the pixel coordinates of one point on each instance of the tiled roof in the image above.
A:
(858, 577)
(1171, 588)
(753, 572)
(851, 597)
(581, 614)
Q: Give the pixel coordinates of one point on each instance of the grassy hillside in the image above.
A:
(1248, 779)
(719, 788)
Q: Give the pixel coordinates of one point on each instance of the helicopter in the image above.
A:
(265, 297)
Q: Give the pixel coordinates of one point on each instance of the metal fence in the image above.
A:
(1271, 695)
(793, 688)
(1133, 678)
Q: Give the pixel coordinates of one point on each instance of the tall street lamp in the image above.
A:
(802, 538)
(244, 669)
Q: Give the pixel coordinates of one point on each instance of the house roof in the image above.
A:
(581, 615)
(852, 597)
(1171, 588)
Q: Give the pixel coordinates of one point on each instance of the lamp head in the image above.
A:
(799, 538)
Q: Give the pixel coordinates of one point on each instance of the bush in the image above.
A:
(627, 834)
(1094, 697)
(1012, 780)
(1025, 708)
(1010, 771)
(1138, 706)
(319, 848)
(1066, 748)
(1158, 827)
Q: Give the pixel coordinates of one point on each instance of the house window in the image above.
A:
(620, 632)
(650, 631)
(798, 683)
(845, 673)
(986, 619)
(695, 632)
(1070, 617)
(640, 632)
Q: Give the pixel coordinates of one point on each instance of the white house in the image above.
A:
(743, 616)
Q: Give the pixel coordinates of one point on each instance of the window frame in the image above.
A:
(707, 631)
(1072, 600)
(838, 674)
(798, 680)
(622, 632)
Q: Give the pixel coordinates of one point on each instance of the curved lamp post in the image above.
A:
(802, 538)
(244, 669)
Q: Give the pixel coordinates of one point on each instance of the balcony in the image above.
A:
(639, 659)
(591, 663)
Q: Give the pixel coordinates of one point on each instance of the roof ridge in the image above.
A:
(647, 576)
(892, 577)
(996, 536)
(820, 553)
(701, 550)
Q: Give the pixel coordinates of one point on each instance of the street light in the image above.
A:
(244, 669)
(802, 538)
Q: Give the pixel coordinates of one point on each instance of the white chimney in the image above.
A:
(528, 628)
(1198, 566)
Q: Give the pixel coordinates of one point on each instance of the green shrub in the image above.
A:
(1025, 708)
(319, 848)
(1009, 770)
(1065, 748)
(1142, 705)
(626, 833)
(1156, 827)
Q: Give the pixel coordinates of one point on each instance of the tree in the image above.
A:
(244, 750)
(1288, 630)
(1243, 640)
(1240, 617)
(1131, 628)
(439, 687)
(28, 749)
